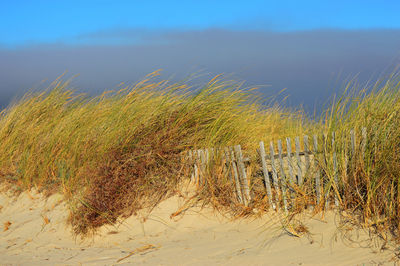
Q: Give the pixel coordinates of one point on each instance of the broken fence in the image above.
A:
(315, 164)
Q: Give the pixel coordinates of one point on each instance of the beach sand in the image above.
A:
(34, 232)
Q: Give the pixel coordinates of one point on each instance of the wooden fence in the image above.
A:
(284, 174)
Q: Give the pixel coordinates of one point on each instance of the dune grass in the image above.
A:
(370, 186)
(119, 152)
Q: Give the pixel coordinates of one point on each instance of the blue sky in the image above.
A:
(36, 22)
(310, 48)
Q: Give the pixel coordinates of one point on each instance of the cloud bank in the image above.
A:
(310, 64)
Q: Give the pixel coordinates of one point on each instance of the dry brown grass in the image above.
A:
(117, 153)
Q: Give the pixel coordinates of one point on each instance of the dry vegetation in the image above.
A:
(117, 153)
(114, 154)
(370, 187)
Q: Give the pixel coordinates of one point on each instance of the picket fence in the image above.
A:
(283, 171)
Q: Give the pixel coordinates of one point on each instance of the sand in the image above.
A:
(33, 231)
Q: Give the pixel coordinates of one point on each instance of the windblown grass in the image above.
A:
(117, 153)
(114, 154)
(371, 185)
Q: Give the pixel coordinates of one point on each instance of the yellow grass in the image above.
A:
(116, 153)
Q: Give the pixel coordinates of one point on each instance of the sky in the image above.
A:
(308, 47)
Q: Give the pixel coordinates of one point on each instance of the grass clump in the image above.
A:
(370, 184)
(116, 153)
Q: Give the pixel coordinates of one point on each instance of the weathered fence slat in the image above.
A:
(228, 164)
(306, 151)
(299, 171)
(289, 159)
(325, 183)
(236, 175)
(231, 169)
(281, 164)
(197, 173)
(202, 166)
(345, 160)
(275, 174)
(228, 170)
(243, 175)
(212, 154)
(192, 158)
(283, 176)
(317, 173)
(266, 175)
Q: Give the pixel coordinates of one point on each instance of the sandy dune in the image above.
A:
(34, 232)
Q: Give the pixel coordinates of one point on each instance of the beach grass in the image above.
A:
(121, 151)
(371, 183)
(114, 154)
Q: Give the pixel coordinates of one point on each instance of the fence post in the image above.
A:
(275, 174)
(236, 175)
(196, 156)
(242, 174)
(228, 168)
(266, 175)
(191, 164)
(317, 174)
(283, 177)
(326, 184)
(228, 164)
(306, 151)
(281, 165)
(299, 171)
(202, 167)
(289, 159)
